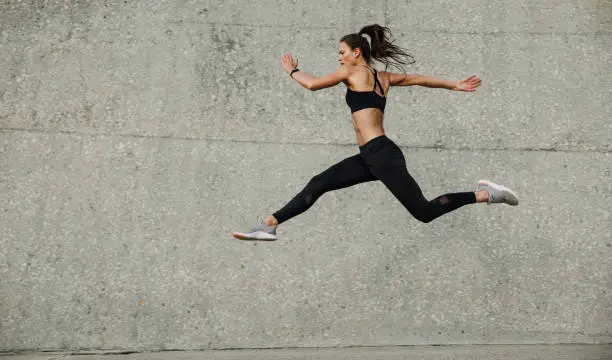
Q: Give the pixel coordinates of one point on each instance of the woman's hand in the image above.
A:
(470, 84)
(288, 62)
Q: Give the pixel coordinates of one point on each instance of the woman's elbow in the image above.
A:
(312, 86)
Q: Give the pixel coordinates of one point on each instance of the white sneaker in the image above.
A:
(498, 193)
(259, 231)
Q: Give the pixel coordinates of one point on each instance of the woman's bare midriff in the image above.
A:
(368, 125)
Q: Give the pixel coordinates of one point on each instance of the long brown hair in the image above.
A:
(382, 49)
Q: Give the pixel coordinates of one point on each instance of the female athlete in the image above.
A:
(379, 158)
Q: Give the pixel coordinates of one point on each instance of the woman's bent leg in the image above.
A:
(389, 166)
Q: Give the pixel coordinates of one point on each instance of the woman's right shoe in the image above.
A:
(498, 193)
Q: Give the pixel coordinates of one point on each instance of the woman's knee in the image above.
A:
(315, 188)
(317, 183)
(425, 218)
(423, 213)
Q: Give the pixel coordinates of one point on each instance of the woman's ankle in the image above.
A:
(270, 221)
(482, 196)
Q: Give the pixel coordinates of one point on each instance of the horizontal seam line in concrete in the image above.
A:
(434, 31)
(186, 138)
(90, 351)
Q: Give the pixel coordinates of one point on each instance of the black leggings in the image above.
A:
(379, 159)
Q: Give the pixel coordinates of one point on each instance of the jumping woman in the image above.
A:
(379, 158)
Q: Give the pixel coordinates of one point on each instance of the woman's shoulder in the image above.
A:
(358, 71)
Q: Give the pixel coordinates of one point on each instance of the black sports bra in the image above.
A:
(358, 100)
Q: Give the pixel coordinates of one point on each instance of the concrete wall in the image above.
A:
(136, 135)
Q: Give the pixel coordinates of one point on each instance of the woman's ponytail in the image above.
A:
(380, 47)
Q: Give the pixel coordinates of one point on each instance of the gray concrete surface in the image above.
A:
(136, 135)
(533, 352)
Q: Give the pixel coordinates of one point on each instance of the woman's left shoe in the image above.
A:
(259, 231)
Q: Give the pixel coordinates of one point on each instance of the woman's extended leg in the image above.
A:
(348, 172)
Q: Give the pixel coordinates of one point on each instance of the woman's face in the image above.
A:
(346, 55)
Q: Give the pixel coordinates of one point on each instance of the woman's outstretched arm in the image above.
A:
(470, 84)
(310, 82)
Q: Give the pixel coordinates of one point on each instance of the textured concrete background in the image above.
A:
(136, 135)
